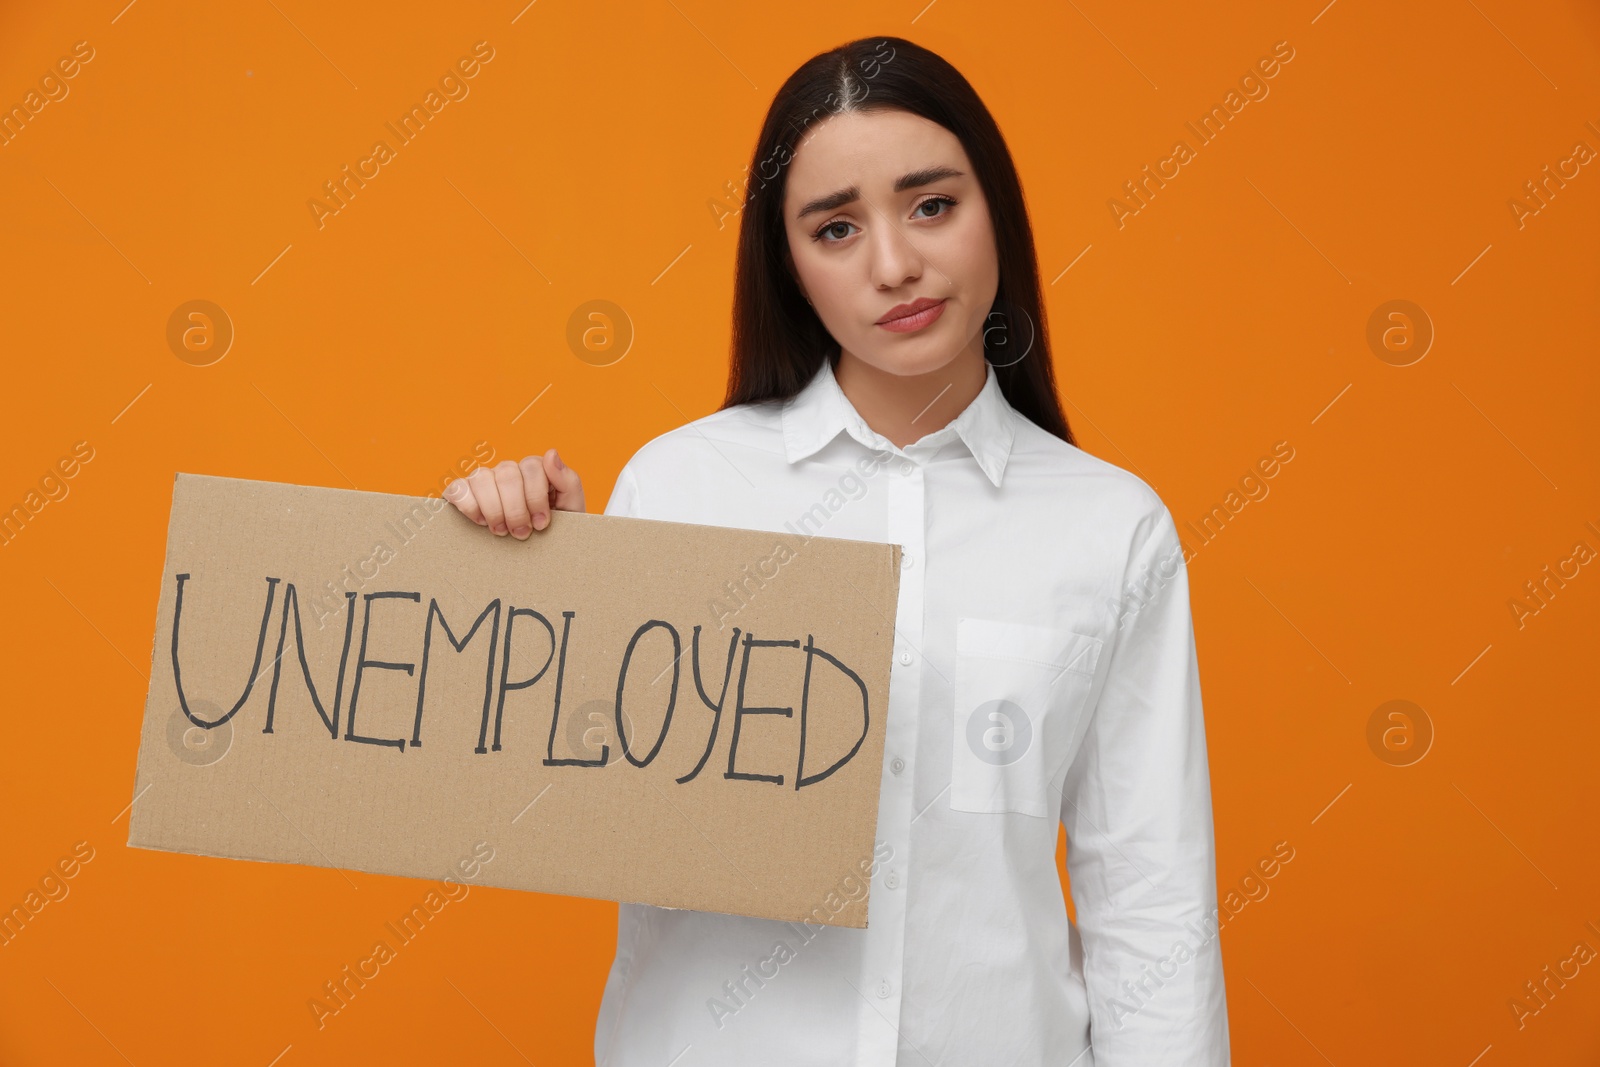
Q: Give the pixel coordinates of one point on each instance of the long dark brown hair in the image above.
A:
(778, 341)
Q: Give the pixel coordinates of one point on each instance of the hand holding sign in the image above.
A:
(515, 497)
(733, 769)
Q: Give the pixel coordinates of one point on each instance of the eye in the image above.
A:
(825, 227)
(917, 212)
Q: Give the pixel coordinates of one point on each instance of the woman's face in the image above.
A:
(883, 209)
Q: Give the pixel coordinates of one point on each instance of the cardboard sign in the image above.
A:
(659, 712)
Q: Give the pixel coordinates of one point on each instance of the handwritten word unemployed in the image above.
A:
(493, 613)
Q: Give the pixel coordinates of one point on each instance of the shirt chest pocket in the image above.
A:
(1020, 693)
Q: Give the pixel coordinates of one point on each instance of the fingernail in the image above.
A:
(500, 528)
(540, 521)
(560, 466)
(481, 521)
(520, 533)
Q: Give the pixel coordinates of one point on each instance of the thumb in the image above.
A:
(566, 488)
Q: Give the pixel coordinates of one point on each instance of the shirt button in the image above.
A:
(905, 560)
(897, 765)
(891, 880)
(884, 989)
(906, 467)
(905, 657)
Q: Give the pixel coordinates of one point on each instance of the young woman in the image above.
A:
(891, 381)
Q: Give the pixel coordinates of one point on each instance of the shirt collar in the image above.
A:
(814, 416)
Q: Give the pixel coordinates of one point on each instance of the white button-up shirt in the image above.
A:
(1044, 668)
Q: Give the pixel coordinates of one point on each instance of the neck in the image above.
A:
(907, 407)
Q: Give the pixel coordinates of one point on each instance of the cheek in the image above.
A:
(978, 249)
(828, 281)
(810, 267)
(831, 287)
(968, 257)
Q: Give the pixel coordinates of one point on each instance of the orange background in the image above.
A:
(1228, 314)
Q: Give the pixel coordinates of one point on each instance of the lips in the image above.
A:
(927, 313)
(906, 310)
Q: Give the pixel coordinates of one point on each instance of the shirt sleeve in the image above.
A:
(1141, 858)
(625, 494)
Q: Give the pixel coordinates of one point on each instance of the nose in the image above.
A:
(895, 260)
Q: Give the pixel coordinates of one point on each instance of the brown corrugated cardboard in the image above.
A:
(467, 688)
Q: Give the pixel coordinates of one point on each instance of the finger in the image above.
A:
(459, 493)
(487, 494)
(535, 493)
(513, 498)
(566, 488)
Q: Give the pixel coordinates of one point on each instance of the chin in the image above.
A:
(911, 361)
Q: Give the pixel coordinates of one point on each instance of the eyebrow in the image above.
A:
(912, 180)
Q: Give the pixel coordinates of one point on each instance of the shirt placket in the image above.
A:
(884, 962)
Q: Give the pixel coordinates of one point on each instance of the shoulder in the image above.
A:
(1075, 479)
(743, 426)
